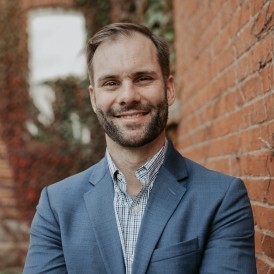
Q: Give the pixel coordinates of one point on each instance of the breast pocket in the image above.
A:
(179, 249)
(181, 258)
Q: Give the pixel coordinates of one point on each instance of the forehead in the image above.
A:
(125, 52)
(132, 39)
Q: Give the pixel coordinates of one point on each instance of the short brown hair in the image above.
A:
(113, 30)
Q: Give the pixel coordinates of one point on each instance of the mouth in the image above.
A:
(132, 118)
(132, 115)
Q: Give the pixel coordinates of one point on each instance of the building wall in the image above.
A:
(9, 240)
(224, 72)
(31, 4)
(14, 232)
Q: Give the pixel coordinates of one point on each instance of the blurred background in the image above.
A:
(222, 58)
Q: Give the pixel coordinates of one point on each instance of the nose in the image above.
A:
(128, 93)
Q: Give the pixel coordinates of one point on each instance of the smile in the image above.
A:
(131, 115)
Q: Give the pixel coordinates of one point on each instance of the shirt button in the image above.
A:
(136, 209)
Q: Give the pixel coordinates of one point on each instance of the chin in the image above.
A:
(134, 141)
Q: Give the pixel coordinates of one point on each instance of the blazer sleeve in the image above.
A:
(230, 245)
(45, 253)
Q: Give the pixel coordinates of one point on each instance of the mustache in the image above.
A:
(128, 107)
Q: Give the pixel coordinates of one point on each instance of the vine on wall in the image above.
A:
(62, 147)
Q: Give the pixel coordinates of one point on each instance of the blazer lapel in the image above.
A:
(99, 203)
(165, 196)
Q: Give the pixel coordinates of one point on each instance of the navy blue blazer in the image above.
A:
(196, 221)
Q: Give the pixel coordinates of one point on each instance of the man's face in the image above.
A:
(128, 94)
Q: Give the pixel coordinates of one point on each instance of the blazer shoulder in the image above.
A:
(205, 178)
(184, 167)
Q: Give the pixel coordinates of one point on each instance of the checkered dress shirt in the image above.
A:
(129, 210)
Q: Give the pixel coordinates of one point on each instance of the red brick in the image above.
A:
(262, 53)
(257, 5)
(227, 12)
(221, 41)
(30, 4)
(269, 103)
(264, 217)
(255, 164)
(263, 22)
(270, 196)
(220, 106)
(267, 80)
(267, 134)
(214, 8)
(228, 145)
(262, 266)
(244, 67)
(208, 35)
(259, 113)
(226, 57)
(221, 165)
(234, 24)
(250, 88)
(230, 77)
(184, 141)
(234, 166)
(239, 97)
(245, 12)
(245, 40)
(268, 246)
(216, 88)
(258, 241)
(190, 123)
(249, 139)
(257, 189)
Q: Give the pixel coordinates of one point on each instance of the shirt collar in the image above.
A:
(147, 172)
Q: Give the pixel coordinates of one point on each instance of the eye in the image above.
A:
(110, 83)
(144, 79)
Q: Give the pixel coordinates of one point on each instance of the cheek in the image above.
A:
(103, 103)
(156, 97)
(148, 94)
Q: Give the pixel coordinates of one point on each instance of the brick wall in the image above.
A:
(14, 233)
(224, 72)
(7, 198)
(31, 4)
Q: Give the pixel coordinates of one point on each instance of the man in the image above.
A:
(143, 208)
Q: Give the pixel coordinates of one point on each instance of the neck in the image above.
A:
(128, 159)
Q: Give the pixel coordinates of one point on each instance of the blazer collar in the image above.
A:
(99, 204)
(166, 194)
(175, 163)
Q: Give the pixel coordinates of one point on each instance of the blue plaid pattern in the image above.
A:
(129, 210)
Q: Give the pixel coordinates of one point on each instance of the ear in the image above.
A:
(170, 89)
(92, 97)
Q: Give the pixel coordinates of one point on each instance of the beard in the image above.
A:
(146, 132)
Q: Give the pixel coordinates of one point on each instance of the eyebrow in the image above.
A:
(107, 76)
(135, 74)
(145, 72)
